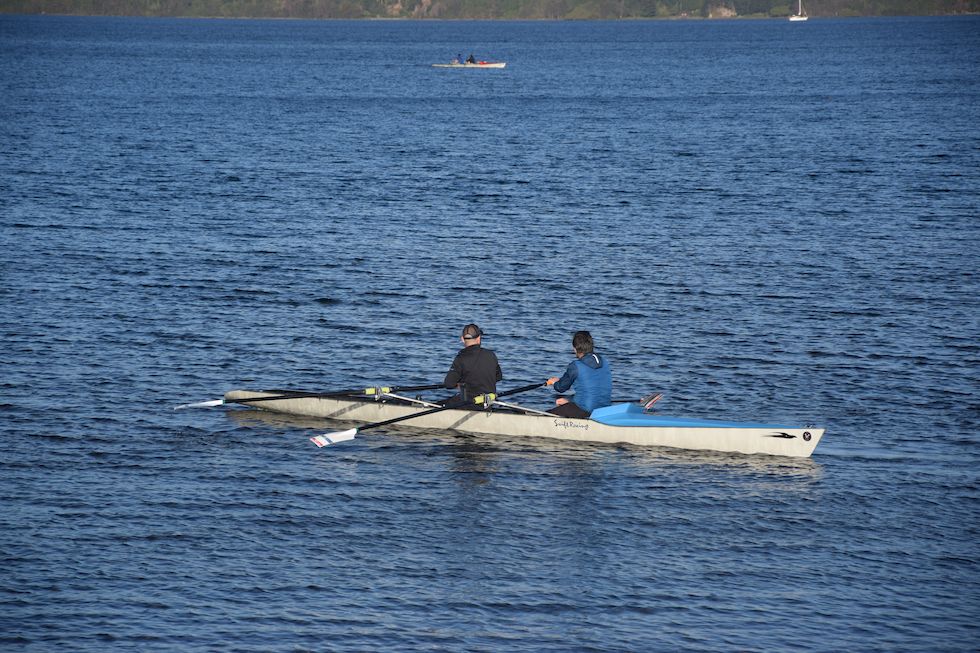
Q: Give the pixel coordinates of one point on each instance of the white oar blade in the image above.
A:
(201, 404)
(650, 400)
(333, 438)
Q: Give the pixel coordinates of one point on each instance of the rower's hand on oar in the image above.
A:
(552, 381)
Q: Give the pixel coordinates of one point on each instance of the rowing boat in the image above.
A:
(478, 64)
(619, 423)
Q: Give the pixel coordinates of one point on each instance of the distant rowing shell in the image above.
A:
(626, 423)
(479, 64)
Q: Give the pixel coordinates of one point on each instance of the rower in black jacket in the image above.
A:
(475, 371)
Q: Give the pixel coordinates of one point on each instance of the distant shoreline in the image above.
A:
(465, 10)
(397, 19)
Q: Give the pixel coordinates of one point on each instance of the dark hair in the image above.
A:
(471, 332)
(582, 342)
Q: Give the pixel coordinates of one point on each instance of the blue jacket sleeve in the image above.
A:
(567, 379)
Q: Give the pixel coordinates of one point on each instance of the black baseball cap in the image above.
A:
(471, 332)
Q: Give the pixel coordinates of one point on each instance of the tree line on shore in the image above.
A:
(488, 9)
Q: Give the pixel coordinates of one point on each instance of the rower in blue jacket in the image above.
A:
(588, 375)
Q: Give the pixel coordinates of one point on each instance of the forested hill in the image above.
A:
(487, 9)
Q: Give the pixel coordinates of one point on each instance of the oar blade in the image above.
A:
(201, 404)
(650, 400)
(333, 438)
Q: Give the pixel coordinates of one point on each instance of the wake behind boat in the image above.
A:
(619, 423)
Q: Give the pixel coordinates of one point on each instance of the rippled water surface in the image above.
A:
(764, 221)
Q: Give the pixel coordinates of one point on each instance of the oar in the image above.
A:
(650, 400)
(482, 400)
(647, 402)
(297, 394)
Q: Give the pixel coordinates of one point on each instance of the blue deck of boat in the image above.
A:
(633, 415)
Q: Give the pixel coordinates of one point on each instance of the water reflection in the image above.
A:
(263, 418)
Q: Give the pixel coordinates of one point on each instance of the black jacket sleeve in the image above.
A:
(454, 374)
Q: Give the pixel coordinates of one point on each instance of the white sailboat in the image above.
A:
(800, 12)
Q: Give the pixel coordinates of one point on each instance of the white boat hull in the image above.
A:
(794, 19)
(487, 64)
(671, 432)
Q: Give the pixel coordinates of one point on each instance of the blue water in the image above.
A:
(766, 222)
